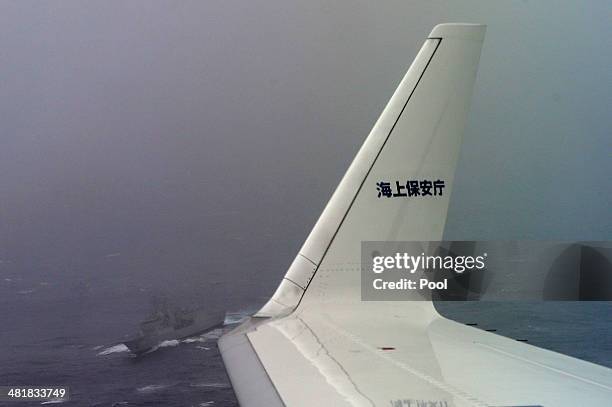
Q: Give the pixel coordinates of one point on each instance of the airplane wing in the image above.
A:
(315, 343)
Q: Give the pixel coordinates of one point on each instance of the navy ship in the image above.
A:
(167, 323)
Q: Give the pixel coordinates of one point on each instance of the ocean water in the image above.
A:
(73, 340)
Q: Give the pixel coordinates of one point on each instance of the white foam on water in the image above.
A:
(152, 388)
(114, 349)
(212, 385)
(193, 340)
(205, 337)
(164, 344)
(169, 343)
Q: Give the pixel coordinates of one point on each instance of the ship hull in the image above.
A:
(201, 324)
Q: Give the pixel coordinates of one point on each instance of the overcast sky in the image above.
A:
(185, 143)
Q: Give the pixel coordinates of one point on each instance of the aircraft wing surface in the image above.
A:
(316, 343)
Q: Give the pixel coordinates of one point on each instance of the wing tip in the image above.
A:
(462, 31)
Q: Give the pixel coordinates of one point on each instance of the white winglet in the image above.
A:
(417, 137)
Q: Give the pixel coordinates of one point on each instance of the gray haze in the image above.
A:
(188, 147)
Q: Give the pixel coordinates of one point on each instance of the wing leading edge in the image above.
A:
(316, 343)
